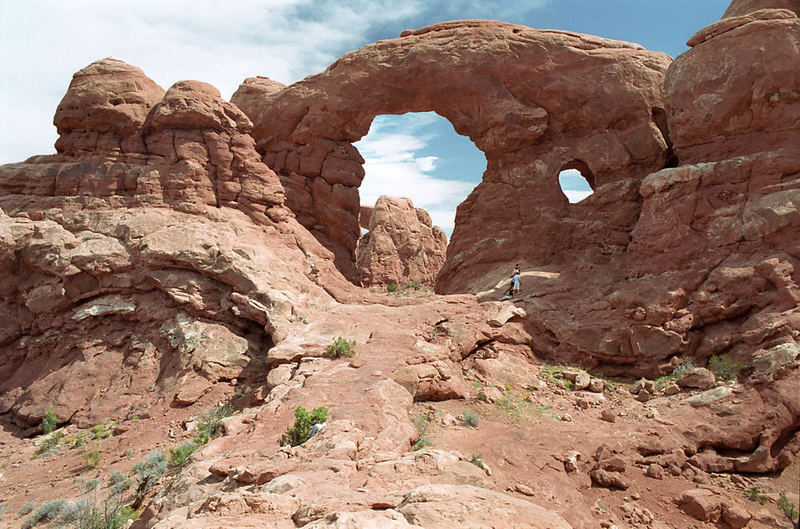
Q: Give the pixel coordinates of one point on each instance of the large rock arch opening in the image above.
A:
(531, 100)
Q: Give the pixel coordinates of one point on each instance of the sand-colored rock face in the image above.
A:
(402, 245)
(528, 99)
(745, 104)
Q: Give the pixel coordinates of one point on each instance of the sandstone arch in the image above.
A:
(531, 100)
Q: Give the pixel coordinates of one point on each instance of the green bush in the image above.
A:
(753, 494)
(49, 421)
(46, 513)
(422, 423)
(470, 418)
(477, 460)
(146, 473)
(341, 347)
(102, 431)
(414, 285)
(95, 511)
(26, 508)
(91, 458)
(178, 456)
(303, 421)
(788, 508)
(49, 445)
(210, 425)
(392, 288)
(725, 368)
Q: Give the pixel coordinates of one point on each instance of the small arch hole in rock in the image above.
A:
(420, 156)
(576, 181)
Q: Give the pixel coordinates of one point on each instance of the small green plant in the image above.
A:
(146, 473)
(470, 418)
(46, 513)
(77, 442)
(788, 508)
(391, 288)
(26, 508)
(91, 458)
(482, 396)
(303, 421)
(753, 494)
(422, 423)
(49, 445)
(2, 508)
(477, 460)
(49, 421)
(102, 431)
(14, 212)
(725, 368)
(341, 347)
(413, 285)
(210, 425)
(178, 456)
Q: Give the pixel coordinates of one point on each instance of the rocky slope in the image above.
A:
(173, 256)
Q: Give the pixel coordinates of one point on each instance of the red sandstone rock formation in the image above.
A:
(250, 95)
(402, 245)
(529, 101)
(143, 279)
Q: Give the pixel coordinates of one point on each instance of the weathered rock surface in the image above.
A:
(508, 88)
(250, 94)
(402, 245)
(746, 104)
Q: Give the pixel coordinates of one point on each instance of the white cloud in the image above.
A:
(394, 167)
(43, 42)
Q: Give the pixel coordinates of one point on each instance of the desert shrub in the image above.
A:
(477, 460)
(46, 513)
(753, 494)
(49, 445)
(788, 508)
(414, 285)
(298, 433)
(2, 508)
(725, 368)
(146, 473)
(94, 510)
(470, 418)
(27, 508)
(341, 347)
(178, 456)
(91, 458)
(392, 288)
(49, 421)
(686, 365)
(102, 431)
(482, 396)
(210, 425)
(422, 423)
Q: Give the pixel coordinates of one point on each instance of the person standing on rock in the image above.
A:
(515, 279)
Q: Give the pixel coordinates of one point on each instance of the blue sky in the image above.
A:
(43, 42)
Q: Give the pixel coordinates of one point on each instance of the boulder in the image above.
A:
(105, 106)
(402, 246)
(699, 378)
